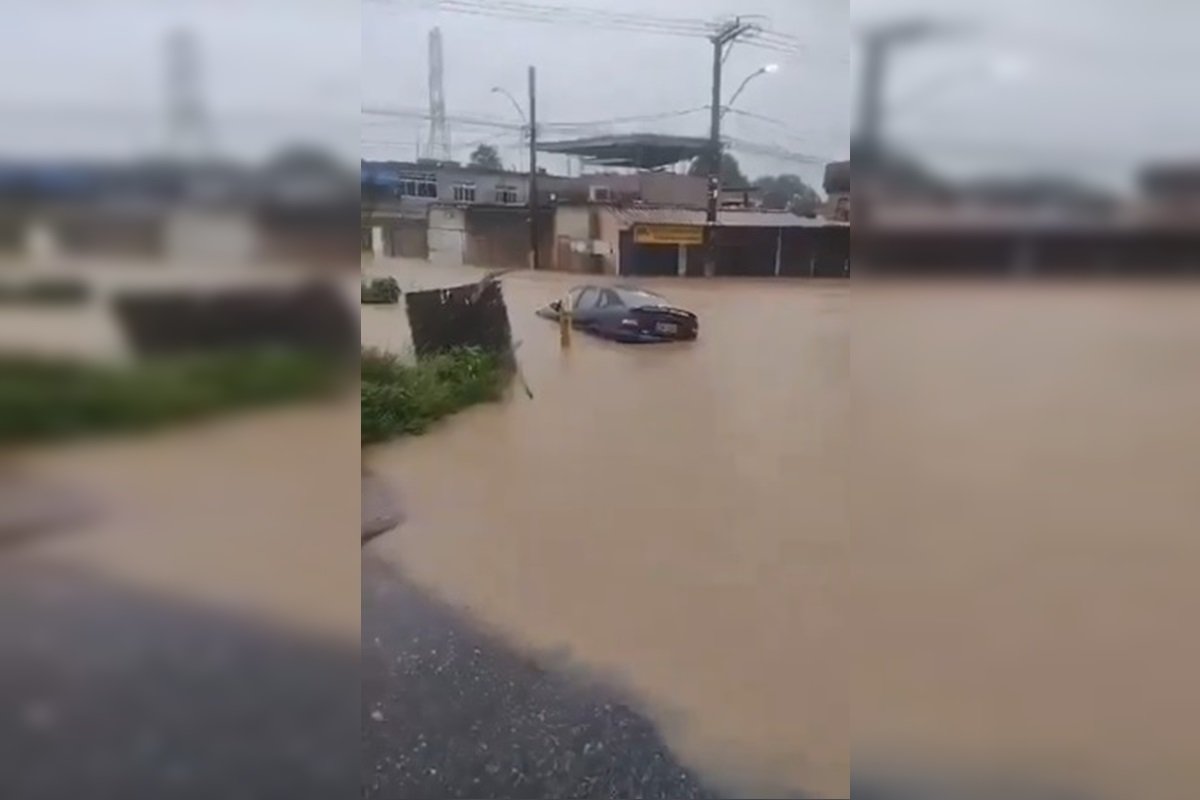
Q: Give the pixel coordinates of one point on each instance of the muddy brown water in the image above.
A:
(672, 517)
(254, 514)
(968, 539)
(1023, 550)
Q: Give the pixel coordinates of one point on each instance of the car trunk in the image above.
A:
(666, 321)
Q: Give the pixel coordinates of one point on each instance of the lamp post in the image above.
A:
(513, 100)
(520, 113)
(767, 70)
(530, 124)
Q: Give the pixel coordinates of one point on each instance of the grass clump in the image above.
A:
(402, 398)
(381, 291)
(52, 399)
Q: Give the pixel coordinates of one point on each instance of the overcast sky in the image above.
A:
(87, 77)
(589, 74)
(1106, 85)
(1102, 85)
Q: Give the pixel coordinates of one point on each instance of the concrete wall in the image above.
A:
(654, 188)
(668, 189)
(577, 245)
(447, 235)
(608, 230)
(485, 182)
(485, 185)
(837, 207)
(498, 238)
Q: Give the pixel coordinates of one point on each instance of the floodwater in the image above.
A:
(969, 540)
(1023, 556)
(671, 517)
(208, 513)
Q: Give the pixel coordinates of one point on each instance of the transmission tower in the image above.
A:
(189, 130)
(439, 130)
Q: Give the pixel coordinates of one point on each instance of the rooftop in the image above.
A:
(638, 150)
(730, 217)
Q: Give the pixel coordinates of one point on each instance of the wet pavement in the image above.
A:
(32, 507)
(449, 710)
(115, 694)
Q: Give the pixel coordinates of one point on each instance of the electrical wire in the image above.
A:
(583, 14)
(690, 27)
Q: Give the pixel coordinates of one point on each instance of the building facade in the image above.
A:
(423, 183)
(837, 188)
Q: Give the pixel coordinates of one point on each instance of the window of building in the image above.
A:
(507, 194)
(418, 184)
(464, 193)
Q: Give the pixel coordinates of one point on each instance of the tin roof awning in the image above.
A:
(639, 150)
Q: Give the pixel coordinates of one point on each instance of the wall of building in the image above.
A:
(446, 178)
(837, 207)
(447, 235)
(669, 189)
(652, 188)
(498, 238)
(573, 239)
(608, 231)
(1004, 252)
(486, 184)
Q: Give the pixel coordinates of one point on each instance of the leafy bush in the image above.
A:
(400, 398)
(42, 399)
(381, 291)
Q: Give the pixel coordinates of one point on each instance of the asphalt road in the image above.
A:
(450, 711)
(111, 694)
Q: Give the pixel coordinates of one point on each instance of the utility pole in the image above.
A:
(870, 151)
(879, 42)
(720, 40)
(535, 260)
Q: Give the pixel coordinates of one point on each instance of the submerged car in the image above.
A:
(625, 314)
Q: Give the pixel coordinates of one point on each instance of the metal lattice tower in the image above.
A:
(189, 130)
(439, 129)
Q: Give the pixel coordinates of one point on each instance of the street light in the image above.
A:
(767, 70)
(520, 113)
(513, 100)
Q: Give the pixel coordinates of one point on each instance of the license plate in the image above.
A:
(666, 327)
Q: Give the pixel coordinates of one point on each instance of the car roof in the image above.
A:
(624, 287)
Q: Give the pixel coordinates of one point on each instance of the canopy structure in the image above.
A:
(638, 150)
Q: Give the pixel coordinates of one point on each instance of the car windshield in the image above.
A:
(635, 298)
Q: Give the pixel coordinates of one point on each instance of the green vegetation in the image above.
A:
(45, 291)
(402, 398)
(45, 399)
(381, 291)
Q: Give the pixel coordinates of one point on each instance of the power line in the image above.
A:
(621, 120)
(582, 14)
(690, 27)
(560, 15)
(484, 121)
(774, 151)
(421, 114)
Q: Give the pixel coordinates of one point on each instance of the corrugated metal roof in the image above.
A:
(734, 218)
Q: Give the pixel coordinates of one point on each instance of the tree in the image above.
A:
(486, 157)
(788, 192)
(731, 171)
